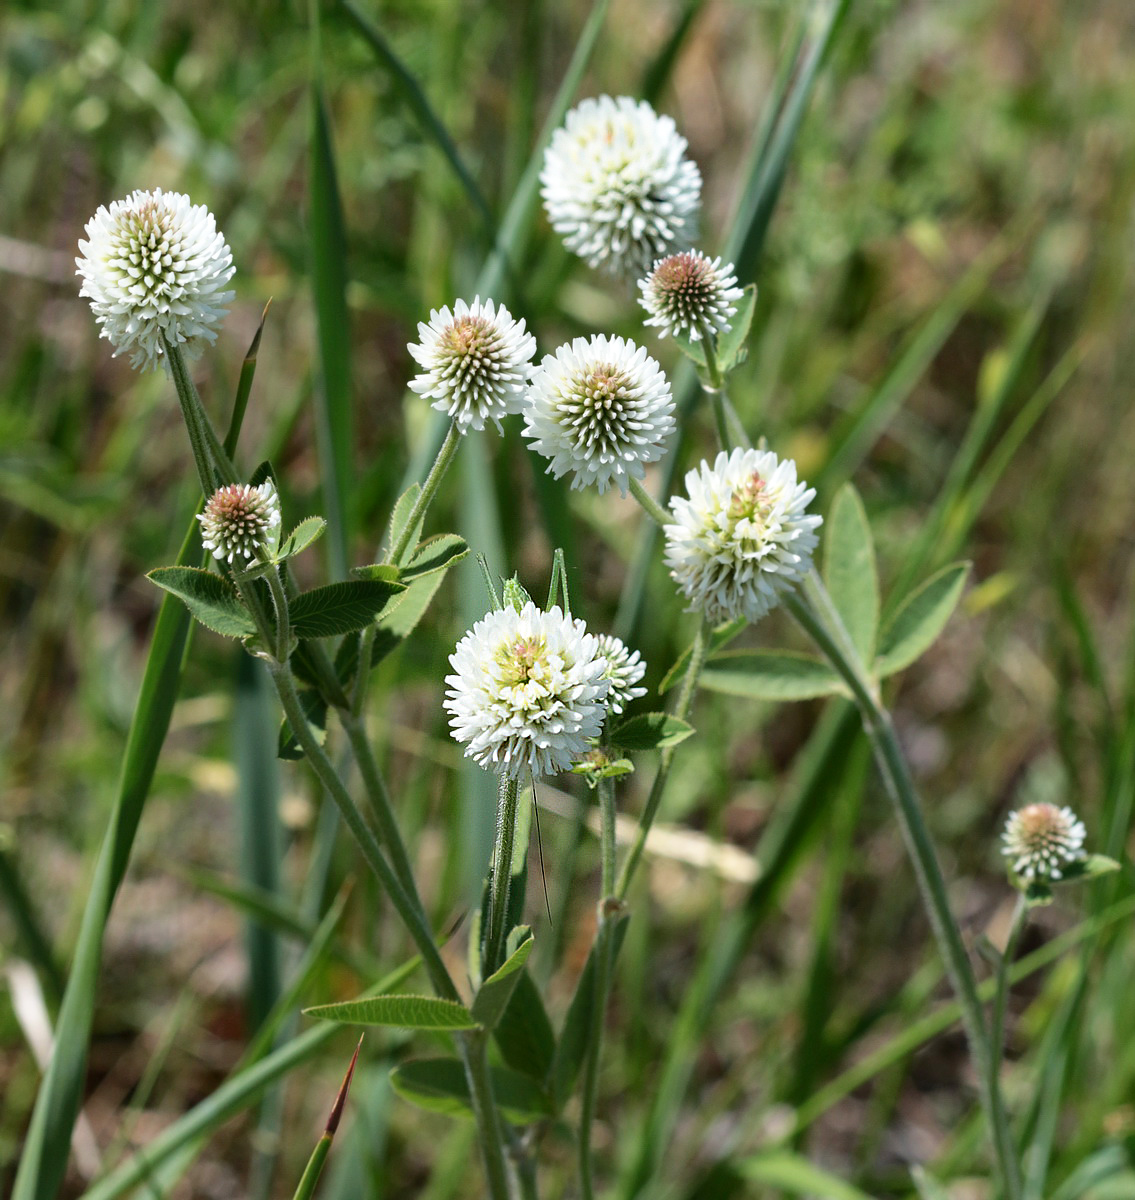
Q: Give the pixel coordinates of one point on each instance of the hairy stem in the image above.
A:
(507, 807)
(474, 1054)
(900, 787)
(653, 509)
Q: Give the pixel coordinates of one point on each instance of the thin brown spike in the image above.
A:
(341, 1098)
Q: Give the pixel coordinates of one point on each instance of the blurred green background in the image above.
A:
(944, 314)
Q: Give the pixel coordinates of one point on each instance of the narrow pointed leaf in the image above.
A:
(403, 507)
(302, 536)
(731, 351)
(495, 993)
(340, 607)
(648, 731)
(439, 1085)
(403, 1012)
(850, 572)
(920, 619)
(771, 675)
(523, 1033)
(438, 553)
(314, 1168)
(211, 599)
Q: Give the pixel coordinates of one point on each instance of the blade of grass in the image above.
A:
(43, 1161)
(314, 1168)
(328, 249)
(419, 104)
(28, 928)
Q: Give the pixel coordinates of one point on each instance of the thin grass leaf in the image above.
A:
(328, 251)
(797, 1176)
(661, 67)
(47, 1141)
(258, 802)
(310, 1178)
(422, 109)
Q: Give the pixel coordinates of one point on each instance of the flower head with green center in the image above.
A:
(528, 692)
(477, 362)
(618, 187)
(624, 669)
(154, 265)
(689, 291)
(600, 409)
(742, 539)
(1041, 840)
(241, 521)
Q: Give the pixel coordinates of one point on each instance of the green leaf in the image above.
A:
(920, 619)
(439, 1085)
(209, 597)
(302, 536)
(849, 570)
(383, 572)
(495, 993)
(694, 351)
(523, 1033)
(264, 471)
(792, 1173)
(572, 1045)
(731, 351)
(404, 1012)
(438, 553)
(771, 675)
(340, 607)
(334, 434)
(1090, 867)
(648, 731)
(315, 708)
(403, 507)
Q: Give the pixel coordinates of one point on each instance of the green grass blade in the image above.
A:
(314, 1169)
(47, 1142)
(244, 385)
(258, 801)
(763, 189)
(328, 248)
(422, 109)
(662, 66)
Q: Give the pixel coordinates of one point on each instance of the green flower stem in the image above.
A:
(900, 787)
(380, 803)
(730, 431)
(212, 460)
(475, 1055)
(283, 621)
(437, 472)
(653, 509)
(410, 912)
(1001, 994)
(507, 805)
(681, 711)
(441, 464)
(609, 907)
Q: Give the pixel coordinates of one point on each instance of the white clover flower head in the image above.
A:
(742, 539)
(600, 409)
(618, 187)
(1040, 840)
(476, 360)
(241, 521)
(690, 291)
(528, 691)
(624, 668)
(155, 265)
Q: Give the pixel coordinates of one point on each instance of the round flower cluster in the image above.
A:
(690, 291)
(241, 520)
(529, 691)
(476, 360)
(618, 187)
(600, 408)
(1040, 840)
(155, 266)
(743, 538)
(624, 668)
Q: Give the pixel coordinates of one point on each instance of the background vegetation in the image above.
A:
(944, 301)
